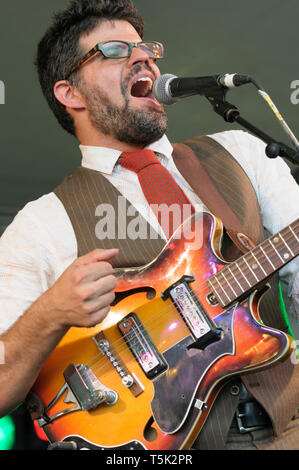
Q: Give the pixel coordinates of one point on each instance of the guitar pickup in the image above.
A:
(141, 346)
(200, 325)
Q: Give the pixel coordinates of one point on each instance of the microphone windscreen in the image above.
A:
(161, 89)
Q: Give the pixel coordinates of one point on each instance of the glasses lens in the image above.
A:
(153, 49)
(115, 49)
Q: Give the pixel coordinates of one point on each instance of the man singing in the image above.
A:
(97, 73)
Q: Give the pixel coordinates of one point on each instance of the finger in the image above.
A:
(95, 271)
(101, 286)
(98, 255)
(105, 284)
(100, 302)
(97, 317)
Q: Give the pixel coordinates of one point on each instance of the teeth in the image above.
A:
(142, 90)
(144, 79)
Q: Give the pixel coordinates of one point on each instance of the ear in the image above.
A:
(68, 95)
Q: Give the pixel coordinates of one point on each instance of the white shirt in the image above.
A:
(40, 242)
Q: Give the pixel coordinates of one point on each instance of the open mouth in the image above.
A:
(142, 88)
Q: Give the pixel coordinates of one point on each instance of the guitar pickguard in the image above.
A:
(175, 390)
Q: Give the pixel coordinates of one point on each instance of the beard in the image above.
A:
(138, 127)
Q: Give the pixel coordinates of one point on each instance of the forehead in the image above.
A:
(108, 30)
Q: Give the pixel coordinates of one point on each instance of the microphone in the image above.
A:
(168, 88)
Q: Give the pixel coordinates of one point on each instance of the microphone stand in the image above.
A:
(230, 113)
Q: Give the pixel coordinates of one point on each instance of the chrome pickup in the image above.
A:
(141, 346)
(188, 308)
(203, 329)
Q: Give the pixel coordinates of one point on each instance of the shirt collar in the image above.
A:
(104, 159)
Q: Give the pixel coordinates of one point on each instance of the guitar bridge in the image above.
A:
(128, 380)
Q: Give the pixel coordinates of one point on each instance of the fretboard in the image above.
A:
(255, 267)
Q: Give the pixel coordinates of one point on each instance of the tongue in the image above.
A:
(141, 89)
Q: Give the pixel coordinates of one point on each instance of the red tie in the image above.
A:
(159, 188)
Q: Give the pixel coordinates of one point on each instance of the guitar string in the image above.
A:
(108, 367)
(121, 340)
(155, 327)
(125, 345)
(97, 367)
(149, 328)
(144, 326)
(105, 363)
(158, 313)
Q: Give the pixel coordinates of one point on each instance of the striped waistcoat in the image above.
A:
(277, 389)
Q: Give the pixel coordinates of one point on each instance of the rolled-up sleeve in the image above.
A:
(35, 249)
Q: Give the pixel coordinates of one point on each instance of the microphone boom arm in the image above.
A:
(230, 113)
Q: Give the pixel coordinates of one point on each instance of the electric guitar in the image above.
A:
(147, 377)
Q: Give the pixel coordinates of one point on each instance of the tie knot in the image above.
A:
(138, 160)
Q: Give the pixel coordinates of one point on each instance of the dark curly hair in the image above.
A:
(59, 48)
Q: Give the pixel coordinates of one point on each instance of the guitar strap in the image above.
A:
(193, 171)
(190, 158)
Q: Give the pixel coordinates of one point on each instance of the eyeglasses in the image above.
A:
(121, 50)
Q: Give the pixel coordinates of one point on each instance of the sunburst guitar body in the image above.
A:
(147, 377)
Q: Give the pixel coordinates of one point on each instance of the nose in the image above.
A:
(137, 56)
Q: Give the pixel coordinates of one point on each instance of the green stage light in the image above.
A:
(7, 433)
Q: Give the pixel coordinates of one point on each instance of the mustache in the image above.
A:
(135, 69)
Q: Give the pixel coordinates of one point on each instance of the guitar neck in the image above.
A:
(255, 267)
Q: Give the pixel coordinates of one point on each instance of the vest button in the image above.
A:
(235, 390)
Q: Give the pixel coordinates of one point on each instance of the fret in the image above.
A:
(224, 292)
(236, 279)
(293, 233)
(288, 248)
(256, 266)
(263, 258)
(228, 283)
(216, 291)
(236, 264)
(251, 269)
(291, 237)
(274, 248)
(264, 255)
(261, 248)
(239, 280)
(248, 273)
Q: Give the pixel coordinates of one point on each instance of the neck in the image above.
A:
(91, 137)
(255, 267)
